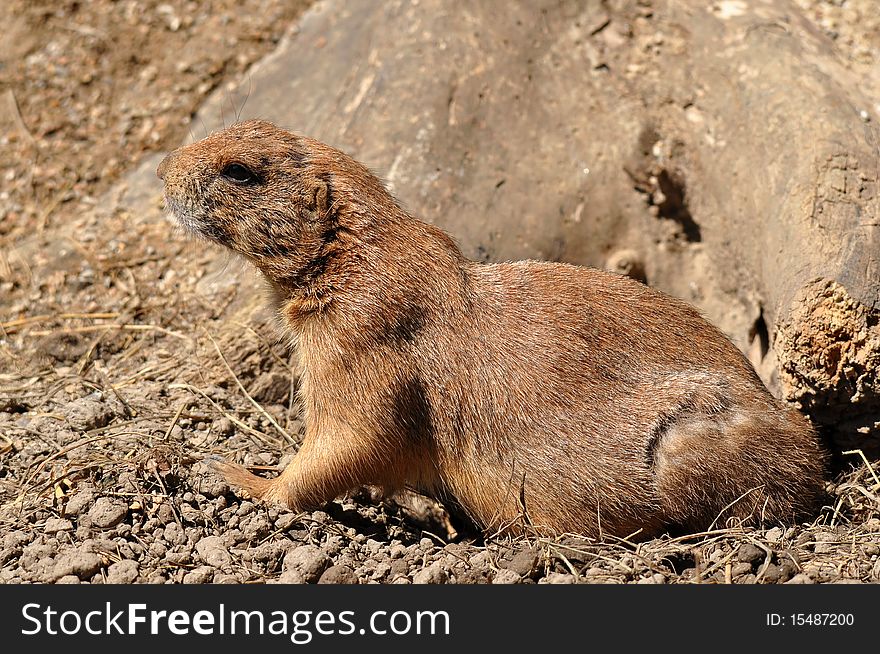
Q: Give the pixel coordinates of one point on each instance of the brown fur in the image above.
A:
(569, 398)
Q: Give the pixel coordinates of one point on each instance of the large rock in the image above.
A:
(721, 150)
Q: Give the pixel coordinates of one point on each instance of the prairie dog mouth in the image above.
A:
(196, 222)
(180, 215)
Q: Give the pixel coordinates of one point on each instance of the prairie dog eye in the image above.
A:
(239, 173)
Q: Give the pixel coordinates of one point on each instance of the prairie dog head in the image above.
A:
(267, 194)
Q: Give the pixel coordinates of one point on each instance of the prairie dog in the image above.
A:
(529, 394)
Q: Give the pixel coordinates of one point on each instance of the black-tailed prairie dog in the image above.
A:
(528, 394)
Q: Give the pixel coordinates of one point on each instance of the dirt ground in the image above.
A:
(117, 377)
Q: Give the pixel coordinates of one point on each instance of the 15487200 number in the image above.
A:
(822, 619)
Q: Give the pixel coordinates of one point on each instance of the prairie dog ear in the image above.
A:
(318, 198)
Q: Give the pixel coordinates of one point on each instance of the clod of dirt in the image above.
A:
(473, 576)
(63, 348)
(524, 563)
(750, 554)
(435, 573)
(107, 512)
(338, 574)
(303, 565)
(76, 562)
(212, 551)
(201, 575)
(165, 513)
(398, 570)
(54, 525)
(80, 502)
(68, 579)
(776, 574)
(177, 558)
(212, 485)
(800, 578)
(397, 551)
(557, 578)
(87, 413)
(575, 549)
(122, 572)
(774, 535)
(255, 527)
(739, 569)
(16, 538)
(506, 576)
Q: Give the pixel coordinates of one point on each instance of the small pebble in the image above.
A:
(122, 572)
(54, 525)
(655, 578)
(80, 502)
(397, 551)
(506, 576)
(285, 521)
(213, 552)
(740, 568)
(68, 579)
(774, 535)
(749, 553)
(800, 578)
(201, 575)
(433, 574)
(107, 512)
(523, 563)
(306, 563)
(77, 562)
(338, 574)
(557, 578)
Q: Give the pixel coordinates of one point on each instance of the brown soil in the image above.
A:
(117, 378)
